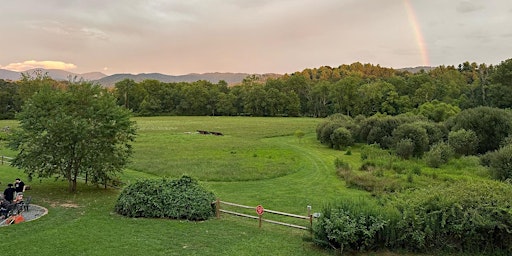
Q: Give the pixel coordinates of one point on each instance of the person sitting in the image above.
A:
(5, 207)
(19, 198)
(9, 193)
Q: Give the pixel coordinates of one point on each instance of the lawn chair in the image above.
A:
(26, 203)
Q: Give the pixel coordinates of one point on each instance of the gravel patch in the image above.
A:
(34, 212)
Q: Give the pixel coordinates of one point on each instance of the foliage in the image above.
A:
(349, 226)
(379, 129)
(10, 101)
(491, 126)
(438, 111)
(438, 154)
(416, 133)
(404, 148)
(341, 165)
(299, 134)
(80, 132)
(341, 138)
(500, 162)
(182, 198)
(355, 89)
(464, 142)
(467, 216)
(325, 131)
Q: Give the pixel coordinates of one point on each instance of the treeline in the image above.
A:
(355, 89)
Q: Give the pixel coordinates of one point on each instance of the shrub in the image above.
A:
(182, 198)
(341, 138)
(353, 226)
(439, 154)
(341, 165)
(464, 142)
(404, 148)
(468, 216)
(326, 131)
(500, 162)
(416, 133)
(491, 126)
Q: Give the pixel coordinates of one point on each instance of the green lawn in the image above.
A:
(257, 161)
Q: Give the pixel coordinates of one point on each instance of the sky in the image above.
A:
(178, 37)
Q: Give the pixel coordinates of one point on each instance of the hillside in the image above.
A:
(109, 81)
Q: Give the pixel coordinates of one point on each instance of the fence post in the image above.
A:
(217, 208)
(310, 219)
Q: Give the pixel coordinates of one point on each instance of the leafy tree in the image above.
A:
(10, 101)
(373, 95)
(438, 111)
(326, 131)
(464, 142)
(342, 138)
(404, 148)
(500, 91)
(438, 154)
(501, 162)
(491, 125)
(129, 94)
(417, 134)
(345, 95)
(31, 83)
(77, 132)
(319, 104)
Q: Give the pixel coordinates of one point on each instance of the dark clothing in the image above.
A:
(19, 186)
(9, 194)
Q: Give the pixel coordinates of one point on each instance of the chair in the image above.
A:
(26, 203)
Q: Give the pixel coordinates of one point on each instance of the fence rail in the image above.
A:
(309, 217)
(5, 160)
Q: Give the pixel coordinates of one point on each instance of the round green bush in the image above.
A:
(181, 198)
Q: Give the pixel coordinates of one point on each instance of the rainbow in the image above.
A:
(411, 14)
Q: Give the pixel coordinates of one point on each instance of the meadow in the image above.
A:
(258, 161)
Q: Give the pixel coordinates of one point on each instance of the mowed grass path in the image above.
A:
(258, 161)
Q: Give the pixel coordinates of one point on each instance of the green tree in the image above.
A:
(80, 132)
(438, 111)
(500, 90)
(129, 94)
(500, 163)
(416, 133)
(345, 96)
(464, 142)
(342, 138)
(491, 125)
(10, 101)
(440, 153)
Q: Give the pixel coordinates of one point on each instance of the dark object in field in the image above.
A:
(207, 132)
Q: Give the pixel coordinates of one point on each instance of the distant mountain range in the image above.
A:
(111, 80)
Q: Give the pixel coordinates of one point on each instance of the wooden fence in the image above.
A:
(5, 160)
(308, 218)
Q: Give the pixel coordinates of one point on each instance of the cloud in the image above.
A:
(467, 6)
(47, 64)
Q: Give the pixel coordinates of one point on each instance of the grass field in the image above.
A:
(257, 161)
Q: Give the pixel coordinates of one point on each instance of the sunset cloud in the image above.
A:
(46, 64)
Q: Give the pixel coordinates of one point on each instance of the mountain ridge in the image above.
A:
(111, 80)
